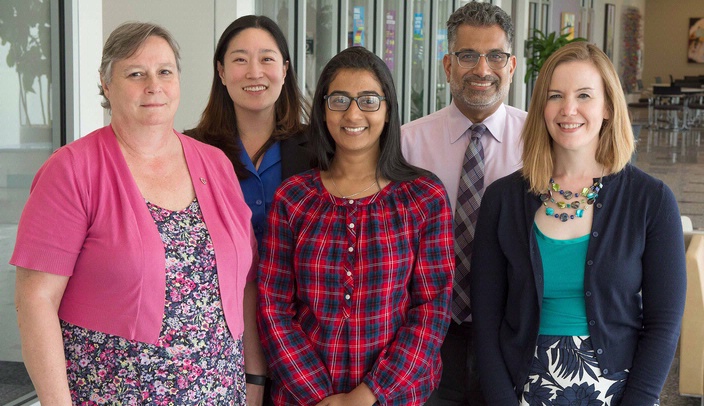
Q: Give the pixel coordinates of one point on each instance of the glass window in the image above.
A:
(322, 39)
(360, 32)
(419, 60)
(442, 97)
(25, 143)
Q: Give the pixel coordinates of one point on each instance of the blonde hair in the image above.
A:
(616, 144)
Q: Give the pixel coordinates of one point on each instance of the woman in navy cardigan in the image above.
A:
(578, 274)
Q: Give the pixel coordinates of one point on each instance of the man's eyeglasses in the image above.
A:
(469, 59)
(340, 102)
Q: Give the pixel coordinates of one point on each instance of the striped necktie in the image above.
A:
(469, 196)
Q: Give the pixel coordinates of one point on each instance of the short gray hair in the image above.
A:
(124, 41)
(479, 15)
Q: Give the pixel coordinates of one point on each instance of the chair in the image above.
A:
(669, 99)
(687, 224)
(692, 334)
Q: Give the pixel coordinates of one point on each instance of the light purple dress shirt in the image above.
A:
(437, 142)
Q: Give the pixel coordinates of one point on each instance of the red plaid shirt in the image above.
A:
(354, 291)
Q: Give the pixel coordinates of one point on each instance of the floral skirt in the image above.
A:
(195, 361)
(565, 371)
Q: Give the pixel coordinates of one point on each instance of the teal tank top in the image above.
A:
(564, 310)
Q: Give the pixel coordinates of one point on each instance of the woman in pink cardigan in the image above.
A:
(134, 249)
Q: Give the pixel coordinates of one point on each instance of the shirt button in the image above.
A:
(590, 262)
(595, 234)
(599, 351)
(605, 371)
(598, 205)
(351, 225)
(258, 202)
(349, 273)
(592, 322)
(350, 249)
(588, 293)
(347, 297)
(350, 201)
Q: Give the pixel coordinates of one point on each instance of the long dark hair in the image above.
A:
(392, 165)
(218, 123)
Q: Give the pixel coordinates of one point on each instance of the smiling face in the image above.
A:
(353, 130)
(479, 91)
(253, 70)
(144, 89)
(576, 106)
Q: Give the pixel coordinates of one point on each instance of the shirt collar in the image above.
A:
(458, 123)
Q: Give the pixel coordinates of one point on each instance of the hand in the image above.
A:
(255, 395)
(360, 396)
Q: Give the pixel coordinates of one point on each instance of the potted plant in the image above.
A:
(24, 26)
(540, 46)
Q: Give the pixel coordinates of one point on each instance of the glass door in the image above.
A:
(29, 103)
(391, 42)
(417, 61)
(322, 39)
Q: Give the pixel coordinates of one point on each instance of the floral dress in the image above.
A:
(195, 361)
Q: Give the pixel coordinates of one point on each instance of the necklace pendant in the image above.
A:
(564, 217)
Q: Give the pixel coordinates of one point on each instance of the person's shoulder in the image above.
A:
(300, 184)
(428, 186)
(429, 121)
(511, 183)
(641, 181)
(515, 112)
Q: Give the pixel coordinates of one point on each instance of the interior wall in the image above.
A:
(666, 35)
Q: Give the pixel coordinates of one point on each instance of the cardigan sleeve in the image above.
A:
(663, 293)
(411, 358)
(291, 357)
(54, 222)
(488, 292)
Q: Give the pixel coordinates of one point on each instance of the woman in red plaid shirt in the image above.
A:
(355, 280)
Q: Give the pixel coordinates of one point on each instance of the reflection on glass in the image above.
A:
(25, 143)
(443, 91)
(360, 25)
(419, 61)
(321, 40)
(281, 11)
(392, 40)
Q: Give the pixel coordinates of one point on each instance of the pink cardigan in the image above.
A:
(86, 219)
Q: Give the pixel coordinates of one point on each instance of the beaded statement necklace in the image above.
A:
(588, 196)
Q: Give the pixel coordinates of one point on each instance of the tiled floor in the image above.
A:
(676, 158)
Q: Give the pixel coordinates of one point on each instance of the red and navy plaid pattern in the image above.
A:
(354, 291)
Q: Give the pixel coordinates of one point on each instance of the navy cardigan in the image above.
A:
(636, 245)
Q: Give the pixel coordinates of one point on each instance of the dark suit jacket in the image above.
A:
(295, 156)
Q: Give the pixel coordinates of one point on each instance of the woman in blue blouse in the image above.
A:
(578, 272)
(355, 278)
(256, 115)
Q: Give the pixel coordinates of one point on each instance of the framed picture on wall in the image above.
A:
(567, 25)
(695, 47)
(609, 29)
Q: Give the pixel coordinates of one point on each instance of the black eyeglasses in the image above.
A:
(469, 59)
(340, 102)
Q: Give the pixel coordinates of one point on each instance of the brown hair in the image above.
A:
(218, 123)
(616, 142)
(123, 42)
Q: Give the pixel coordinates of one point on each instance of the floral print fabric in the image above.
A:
(195, 361)
(565, 371)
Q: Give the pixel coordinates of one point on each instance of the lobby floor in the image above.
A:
(676, 158)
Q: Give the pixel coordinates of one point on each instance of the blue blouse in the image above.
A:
(259, 187)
